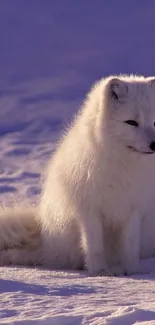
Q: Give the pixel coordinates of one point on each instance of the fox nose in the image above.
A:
(152, 146)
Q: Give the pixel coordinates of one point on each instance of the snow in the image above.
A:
(51, 52)
(37, 296)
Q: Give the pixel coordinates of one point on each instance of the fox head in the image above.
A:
(127, 113)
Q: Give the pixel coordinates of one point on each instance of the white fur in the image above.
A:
(97, 205)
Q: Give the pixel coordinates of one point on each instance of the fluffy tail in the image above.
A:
(20, 239)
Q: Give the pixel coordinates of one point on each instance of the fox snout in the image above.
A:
(152, 145)
(150, 135)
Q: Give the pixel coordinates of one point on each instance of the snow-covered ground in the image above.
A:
(51, 51)
(32, 296)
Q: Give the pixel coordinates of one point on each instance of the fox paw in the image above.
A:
(103, 272)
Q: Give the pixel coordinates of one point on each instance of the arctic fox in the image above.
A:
(98, 199)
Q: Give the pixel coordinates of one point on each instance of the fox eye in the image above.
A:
(133, 123)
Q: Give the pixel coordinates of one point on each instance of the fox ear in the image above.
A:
(118, 90)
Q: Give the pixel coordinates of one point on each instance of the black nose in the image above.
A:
(152, 146)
